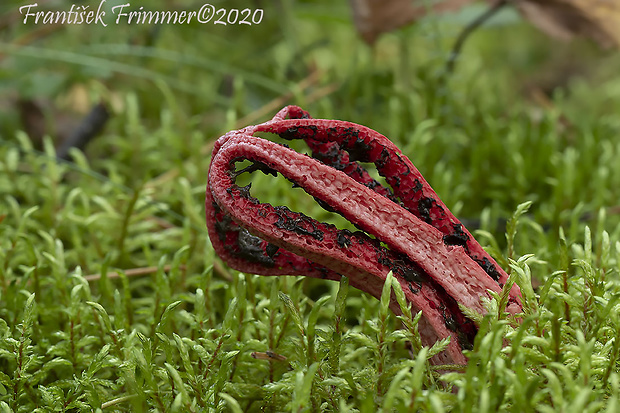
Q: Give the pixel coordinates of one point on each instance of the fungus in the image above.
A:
(436, 260)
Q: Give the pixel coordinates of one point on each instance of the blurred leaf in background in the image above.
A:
(374, 17)
(598, 20)
(595, 19)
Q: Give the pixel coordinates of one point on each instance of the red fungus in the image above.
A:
(433, 256)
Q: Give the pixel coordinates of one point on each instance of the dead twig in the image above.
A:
(469, 29)
(89, 127)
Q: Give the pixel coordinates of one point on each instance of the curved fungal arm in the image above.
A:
(414, 235)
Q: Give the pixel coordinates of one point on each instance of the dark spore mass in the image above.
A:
(344, 238)
(299, 132)
(417, 186)
(258, 166)
(298, 223)
(384, 158)
(359, 150)
(271, 249)
(458, 237)
(424, 209)
(488, 267)
(244, 191)
(250, 248)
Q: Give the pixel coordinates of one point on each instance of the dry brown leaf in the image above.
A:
(598, 20)
(595, 19)
(374, 17)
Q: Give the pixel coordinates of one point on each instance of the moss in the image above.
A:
(111, 298)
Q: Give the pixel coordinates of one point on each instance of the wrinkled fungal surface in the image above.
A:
(404, 228)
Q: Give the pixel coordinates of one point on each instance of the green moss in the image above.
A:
(112, 299)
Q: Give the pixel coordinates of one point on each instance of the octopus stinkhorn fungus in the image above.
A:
(436, 260)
